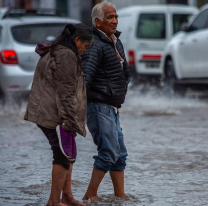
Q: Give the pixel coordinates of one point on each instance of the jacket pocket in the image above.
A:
(111, 90)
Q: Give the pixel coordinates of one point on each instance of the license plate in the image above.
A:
(152, 65)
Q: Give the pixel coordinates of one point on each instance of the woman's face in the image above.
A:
(81, 46)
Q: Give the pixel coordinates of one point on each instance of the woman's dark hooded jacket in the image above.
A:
(58, 94)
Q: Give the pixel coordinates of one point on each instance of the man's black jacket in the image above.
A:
(106, 81)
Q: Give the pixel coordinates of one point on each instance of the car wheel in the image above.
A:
(170, 80)
(2, 97)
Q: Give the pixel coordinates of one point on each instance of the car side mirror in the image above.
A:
(184, 27)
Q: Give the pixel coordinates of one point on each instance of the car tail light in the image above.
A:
(14, 87)
(131, 57)
(151, 57)
(8, 57)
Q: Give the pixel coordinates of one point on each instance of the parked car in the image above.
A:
(146, 30)
(18, 39)
(185, 59)
(21, 12)
(3, 10)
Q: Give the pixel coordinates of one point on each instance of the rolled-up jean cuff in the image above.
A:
(119, 166)
(98, 166)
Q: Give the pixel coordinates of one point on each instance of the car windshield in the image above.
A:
(34, 33)
(152, 26)
(178, 19)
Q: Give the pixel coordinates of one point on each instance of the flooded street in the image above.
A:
(167, 164)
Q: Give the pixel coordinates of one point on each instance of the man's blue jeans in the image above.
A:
(105, 128)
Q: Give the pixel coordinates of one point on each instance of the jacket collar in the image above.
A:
(103, 36)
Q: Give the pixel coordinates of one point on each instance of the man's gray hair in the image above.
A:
(97, 11)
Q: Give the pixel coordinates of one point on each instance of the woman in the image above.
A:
(58, 99)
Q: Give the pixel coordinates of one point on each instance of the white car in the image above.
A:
(18, 39)
(145, 31)
(185, 59)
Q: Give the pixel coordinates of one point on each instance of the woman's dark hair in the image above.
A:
(68, 35)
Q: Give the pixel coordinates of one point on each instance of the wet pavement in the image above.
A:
(167, 142)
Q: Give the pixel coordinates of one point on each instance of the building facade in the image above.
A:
(123, 3)
(81, 9)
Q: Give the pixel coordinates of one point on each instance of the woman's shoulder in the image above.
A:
(63, 51)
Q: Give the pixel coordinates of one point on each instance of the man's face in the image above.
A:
(109, 23)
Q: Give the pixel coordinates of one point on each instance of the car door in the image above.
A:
(151, 37)
(203, 52)
(193, 48)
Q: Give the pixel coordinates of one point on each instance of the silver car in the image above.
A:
(3, 11)
(18, 39)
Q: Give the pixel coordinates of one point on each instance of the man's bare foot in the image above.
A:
(61, 204)
(69, 200)
(92, 198)
(57, 204)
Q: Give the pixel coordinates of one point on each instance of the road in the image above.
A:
(167, 143)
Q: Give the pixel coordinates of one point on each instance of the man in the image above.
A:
(107, 77)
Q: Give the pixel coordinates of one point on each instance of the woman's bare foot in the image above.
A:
(92, 198)
(69, 200)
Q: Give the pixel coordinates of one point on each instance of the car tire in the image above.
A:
(2, 97)
(170, 80)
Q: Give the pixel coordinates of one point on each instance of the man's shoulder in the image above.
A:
(97, 40)
(97, 45)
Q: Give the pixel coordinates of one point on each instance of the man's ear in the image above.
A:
(97, 22)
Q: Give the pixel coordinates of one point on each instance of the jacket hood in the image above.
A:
(43, 47)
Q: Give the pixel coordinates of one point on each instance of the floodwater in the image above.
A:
(167, 143)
